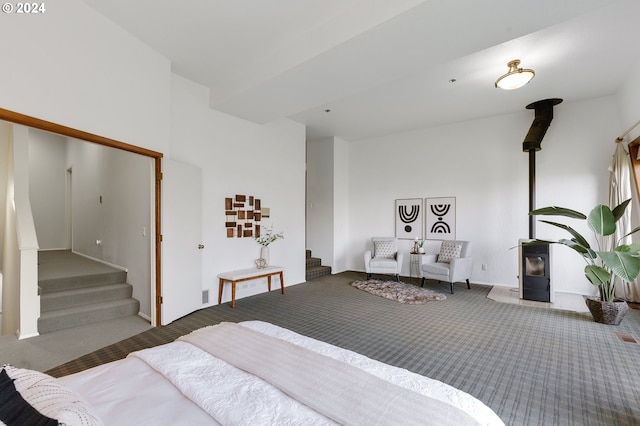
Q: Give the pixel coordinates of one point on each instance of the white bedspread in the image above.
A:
(185, 385)
(231, 396)
(336, 389)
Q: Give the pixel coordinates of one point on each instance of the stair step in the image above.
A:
(84, 296)
(87, 314)
(317, 272)
(81, 281)
(313, 262)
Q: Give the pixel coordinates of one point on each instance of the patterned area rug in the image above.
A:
(398, 291)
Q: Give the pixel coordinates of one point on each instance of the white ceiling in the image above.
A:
(384, 66)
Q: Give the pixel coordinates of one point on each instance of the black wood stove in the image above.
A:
(535, 261)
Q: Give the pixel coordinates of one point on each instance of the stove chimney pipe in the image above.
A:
(532, 143)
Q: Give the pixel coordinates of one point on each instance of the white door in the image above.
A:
(181, 259)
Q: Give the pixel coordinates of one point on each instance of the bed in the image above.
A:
(248, 373)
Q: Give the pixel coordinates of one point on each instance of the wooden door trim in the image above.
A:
(36, 123)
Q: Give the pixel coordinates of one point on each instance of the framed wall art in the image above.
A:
(243, 216)
(440, 218)
(409, 218)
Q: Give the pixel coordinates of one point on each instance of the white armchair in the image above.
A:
(453, 264)
(384, 259)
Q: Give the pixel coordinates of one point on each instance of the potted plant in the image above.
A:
(604, 265)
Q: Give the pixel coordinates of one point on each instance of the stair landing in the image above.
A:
(55, 264)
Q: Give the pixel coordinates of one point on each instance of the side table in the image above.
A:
(415, 265)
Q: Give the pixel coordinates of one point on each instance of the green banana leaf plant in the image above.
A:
(603, 265)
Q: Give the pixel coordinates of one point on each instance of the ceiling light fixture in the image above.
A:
(516, 77)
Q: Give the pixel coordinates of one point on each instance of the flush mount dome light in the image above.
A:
(516, 77)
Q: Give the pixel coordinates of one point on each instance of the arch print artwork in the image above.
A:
(440, 219)
(409, 218)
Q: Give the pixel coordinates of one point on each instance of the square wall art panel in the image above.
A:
(409, 218)
(440, 218)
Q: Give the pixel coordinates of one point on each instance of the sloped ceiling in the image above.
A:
(383, 66)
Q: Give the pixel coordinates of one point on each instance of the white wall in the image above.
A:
(47, 189)
(4, 168)
(241, 157)
(319, 202)
(481, 163)
(128, 234)
(340, 205)
(629, 100)
(74, 67)
(112, 194)
(327, 201)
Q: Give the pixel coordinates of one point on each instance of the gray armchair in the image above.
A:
(453, 264)
(384, 259)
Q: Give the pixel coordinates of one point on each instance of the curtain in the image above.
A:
(619, 191)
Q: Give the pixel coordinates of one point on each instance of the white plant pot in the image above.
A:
(264, 254)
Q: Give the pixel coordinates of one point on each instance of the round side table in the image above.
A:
(415, 264)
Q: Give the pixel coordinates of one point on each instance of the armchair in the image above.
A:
(453, 264)
(384, 259)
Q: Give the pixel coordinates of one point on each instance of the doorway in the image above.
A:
(156, 157)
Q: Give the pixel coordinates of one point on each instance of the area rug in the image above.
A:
(398, 291)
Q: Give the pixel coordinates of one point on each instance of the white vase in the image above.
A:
(264, 254)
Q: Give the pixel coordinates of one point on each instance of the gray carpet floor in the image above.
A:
(49, 350)
(532, 366)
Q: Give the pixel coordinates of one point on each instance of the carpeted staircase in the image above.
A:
(315, 268)
(75, 290)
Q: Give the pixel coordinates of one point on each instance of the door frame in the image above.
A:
(36, 123)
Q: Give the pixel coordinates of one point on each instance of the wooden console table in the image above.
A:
(245, 275)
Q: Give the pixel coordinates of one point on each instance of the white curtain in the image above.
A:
(619, 191)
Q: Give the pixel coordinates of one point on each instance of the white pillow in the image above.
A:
(384, 249)
(47, 395)
(449, 250)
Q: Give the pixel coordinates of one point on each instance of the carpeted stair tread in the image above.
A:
(86, 314)
(317, 272)
(313, 262)
(51, 285)
(84, 296)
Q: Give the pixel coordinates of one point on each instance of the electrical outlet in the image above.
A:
(484, 266)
